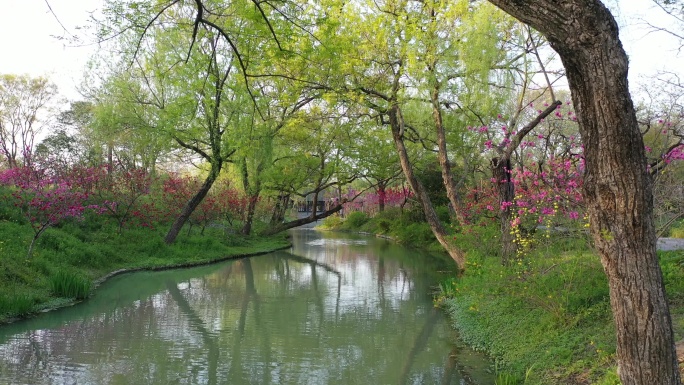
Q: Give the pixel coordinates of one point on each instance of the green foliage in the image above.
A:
(677, 231)
(15, 305)
(355, 220)
(68, 284)
(672, 265)
(506, 378)
(7, 210)
(415, 234)
(431, 178)
(609, 378)
(444, 214)
(70, 256)
(549, 311)
(332, 222)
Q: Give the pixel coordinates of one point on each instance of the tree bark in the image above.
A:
(382, 193)
(447, 177)
(192, 204)
(396, 124)
(252, 192)
(617, 187)
(281, 205)
(501, 172)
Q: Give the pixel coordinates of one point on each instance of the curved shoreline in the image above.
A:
(99, 281)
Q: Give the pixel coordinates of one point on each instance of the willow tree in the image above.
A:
(617, 186)
(123, 128)
(280, 102)
(190, 75)
(313, 157)
(383, 67)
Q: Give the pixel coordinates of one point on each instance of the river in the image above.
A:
(334, 309)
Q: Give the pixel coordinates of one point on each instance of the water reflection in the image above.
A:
(336, 309)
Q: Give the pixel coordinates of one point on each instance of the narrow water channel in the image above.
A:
(334, 309)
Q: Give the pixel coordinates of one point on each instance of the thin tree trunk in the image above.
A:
(447, 177)
(279, 210)
(381, 195)
(251, 209)
(303, 221)
(396, 123)
(617, 187)
(501, 172)
(192, 204)
(252, 195)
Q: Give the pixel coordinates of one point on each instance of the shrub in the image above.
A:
(356, 219)
(383, 225)
(415, 234)
(677, 231)
(444, 214)
(332, 222)
(69, 285)
(390, 214)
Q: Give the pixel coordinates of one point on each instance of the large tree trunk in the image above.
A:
(192, 204)
(617, 187)
(396, 123)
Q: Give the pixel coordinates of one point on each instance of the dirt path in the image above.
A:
(668, 244)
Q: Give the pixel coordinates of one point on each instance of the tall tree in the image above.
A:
(24, 101)
(313, 158)
(617, 187)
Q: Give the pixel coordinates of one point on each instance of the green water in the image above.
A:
(335, 309)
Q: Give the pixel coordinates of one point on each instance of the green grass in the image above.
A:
(549, 311)
(15, 304)
(68, 258)
(70, 285)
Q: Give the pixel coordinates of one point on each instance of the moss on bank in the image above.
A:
(76, 256)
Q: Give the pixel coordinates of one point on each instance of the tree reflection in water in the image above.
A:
(334, 310)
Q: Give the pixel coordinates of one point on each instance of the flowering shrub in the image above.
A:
(44, 201)
(369, 202)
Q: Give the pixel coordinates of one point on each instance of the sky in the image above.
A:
(30, 44)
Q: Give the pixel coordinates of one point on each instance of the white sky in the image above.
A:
(28, 45)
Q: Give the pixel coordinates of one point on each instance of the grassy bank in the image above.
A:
(546, 318)
(70, 258)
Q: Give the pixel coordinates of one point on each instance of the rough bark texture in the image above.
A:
(436, 226)
(617, 187)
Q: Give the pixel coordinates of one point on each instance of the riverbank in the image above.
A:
(70, 261)
(545, 318)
